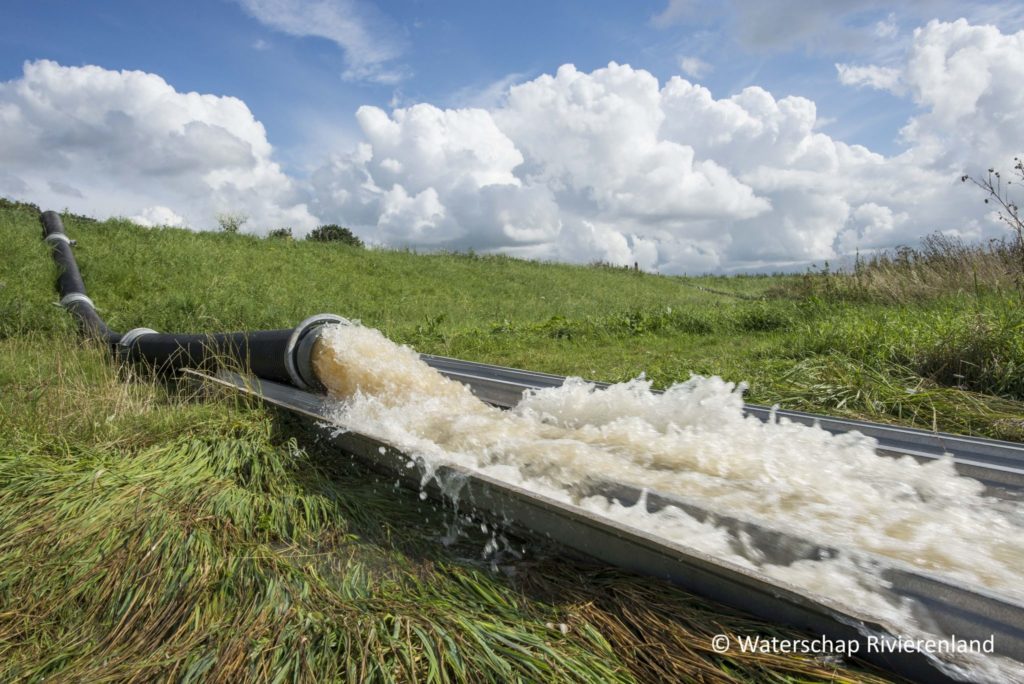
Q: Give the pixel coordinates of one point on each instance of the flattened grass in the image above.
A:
(151, 533)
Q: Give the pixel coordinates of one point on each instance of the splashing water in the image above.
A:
(692, 440)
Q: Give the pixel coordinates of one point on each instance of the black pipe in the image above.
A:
(279, 355)
(69, 282)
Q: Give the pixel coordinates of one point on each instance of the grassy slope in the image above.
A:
(862, 359)
(148, 533)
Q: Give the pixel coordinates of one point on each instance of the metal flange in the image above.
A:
(129, 337)
(291, 363)
(69, 299)
(54, 238)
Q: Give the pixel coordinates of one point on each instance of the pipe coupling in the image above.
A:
(54, 238)
(129, 337)
(299, 350)
(69, 299)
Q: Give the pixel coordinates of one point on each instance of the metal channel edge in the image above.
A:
(623, 546)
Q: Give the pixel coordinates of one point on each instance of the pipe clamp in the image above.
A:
(69, 299)
(135, 333)
(54, 238)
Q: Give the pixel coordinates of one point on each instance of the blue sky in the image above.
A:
(359, 106)
(450, 50)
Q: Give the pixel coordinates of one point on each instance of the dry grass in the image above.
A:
(941, 266)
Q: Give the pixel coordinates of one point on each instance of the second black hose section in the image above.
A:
(263, 352)
(70, 284)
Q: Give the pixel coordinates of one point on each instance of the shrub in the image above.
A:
(231, 223)
(282, 233)
(334, 233)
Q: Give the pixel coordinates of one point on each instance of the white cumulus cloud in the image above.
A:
(877, 77)
(434, 177)
(118, 142)
(158, 216)
(571, 166)
(968, 79)
(694, 67)
(610, 165)
(613, 165)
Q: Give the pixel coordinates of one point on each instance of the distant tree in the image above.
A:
(231, 223)
(334, 233)
(284, 233)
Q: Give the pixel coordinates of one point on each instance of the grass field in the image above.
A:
(150, 532)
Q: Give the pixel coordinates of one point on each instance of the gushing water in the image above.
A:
(693, 441)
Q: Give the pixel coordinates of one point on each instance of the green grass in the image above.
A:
(598, 322)
(155, 531)
(148, 532)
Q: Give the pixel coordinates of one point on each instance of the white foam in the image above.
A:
(693, 440)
